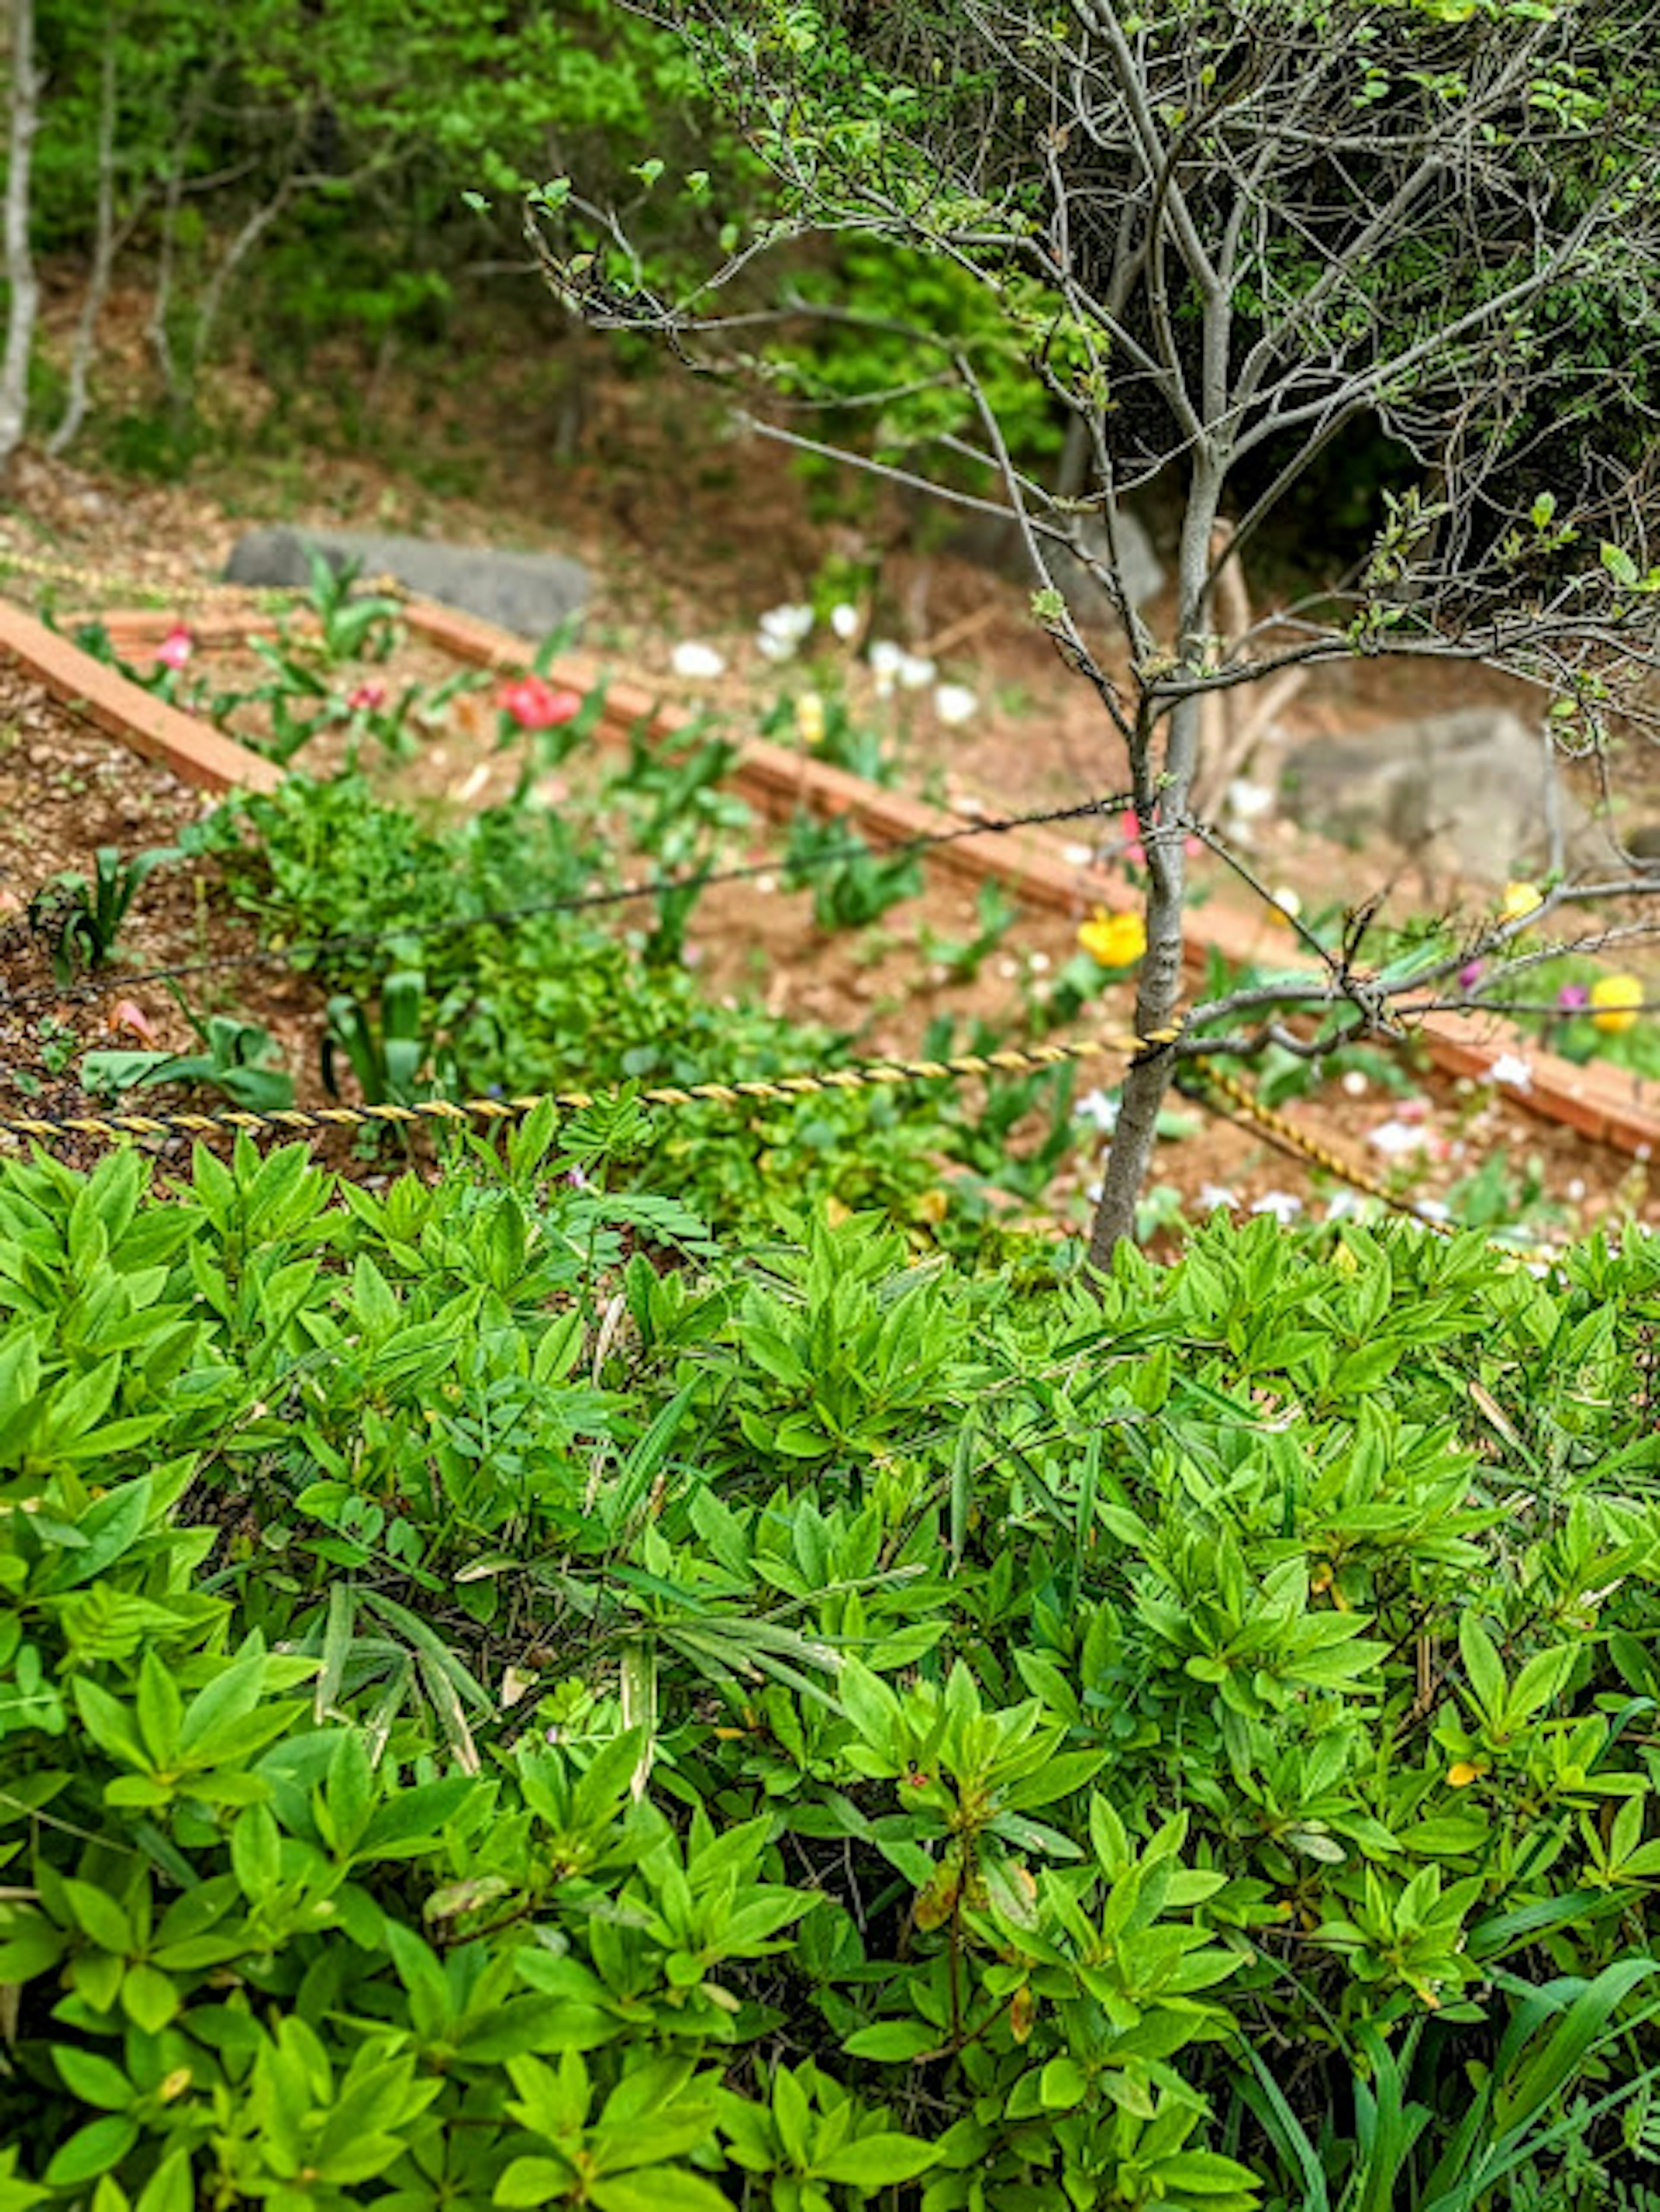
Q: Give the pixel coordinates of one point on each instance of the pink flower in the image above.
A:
(367, 699)
(1470, 975)
(536, 704)
(176, 648)
(1130, 829)
(1571, 997)
(126, 1015)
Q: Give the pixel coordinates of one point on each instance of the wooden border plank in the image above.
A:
(195, 751)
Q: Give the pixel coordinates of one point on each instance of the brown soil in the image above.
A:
(67, 791)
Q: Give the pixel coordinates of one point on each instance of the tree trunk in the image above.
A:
(1164, 792)
(25, 290)
(213, 295)
(103, 255)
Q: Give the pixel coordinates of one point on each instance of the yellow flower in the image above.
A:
(1287, 907)
(1520, 900)
(810, 718)
(1617, 999)
(1460, 1774)
(1114, 940)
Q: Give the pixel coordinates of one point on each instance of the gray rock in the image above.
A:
(1464, 792)
(998, 546)
(529, 593)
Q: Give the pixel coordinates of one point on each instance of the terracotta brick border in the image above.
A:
(1602, 1102)
(191, 749)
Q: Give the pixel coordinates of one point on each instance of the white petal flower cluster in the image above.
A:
(781, 631)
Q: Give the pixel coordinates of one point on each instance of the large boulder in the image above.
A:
(1467, 792)
(531, 593)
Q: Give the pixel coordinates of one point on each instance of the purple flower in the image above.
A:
(1571, 997)
(1470, 976)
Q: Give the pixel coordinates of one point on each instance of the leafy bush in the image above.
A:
(504, 1699)
(851, 886)
(237, 1060)
(359, 893)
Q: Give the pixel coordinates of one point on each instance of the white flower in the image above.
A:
(1078, 856)
(890, 663)
(1039, 962)
(1100, 1108)
(844, 620)
(884, 658)
(955, 703)
(1213, 1194)
(690, 659)
(1280, 1204)
(1509, 1068)
(1249, 802)
(1286, 900)
(788, 622)
(1347, 1203)
(1396, 1139)
(781, 631)
(1434, 1209)
(1354, 1082)
(1576, 1188)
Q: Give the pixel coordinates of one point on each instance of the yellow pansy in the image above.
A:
(1114, 940)
(1615, 999)
(1519, 901)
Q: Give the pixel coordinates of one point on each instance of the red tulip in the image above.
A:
(536, 704)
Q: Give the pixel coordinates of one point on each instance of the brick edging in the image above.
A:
(1603, 1103)
(193, 749)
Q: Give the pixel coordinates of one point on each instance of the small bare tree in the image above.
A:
(1225, 234)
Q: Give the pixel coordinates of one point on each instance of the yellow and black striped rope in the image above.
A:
(301, 1120)
(1022, 1060)
(100, 584)
(1285, 1133)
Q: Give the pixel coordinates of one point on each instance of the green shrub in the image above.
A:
(503, 1700)
(360, 893)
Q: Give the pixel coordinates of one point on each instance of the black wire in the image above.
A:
(290, 956)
